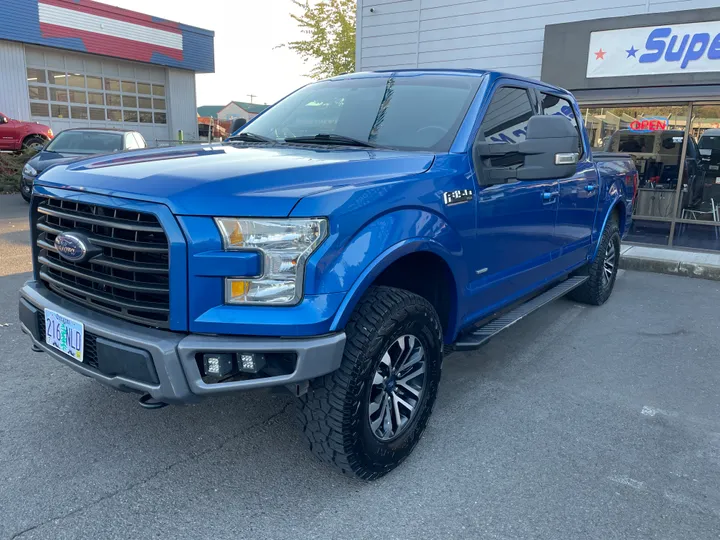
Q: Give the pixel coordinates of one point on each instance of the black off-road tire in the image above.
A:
(597, 289)
(334, 413)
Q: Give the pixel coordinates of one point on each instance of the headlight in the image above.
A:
(29, 170)
(285, 245)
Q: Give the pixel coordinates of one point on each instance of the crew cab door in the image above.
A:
(578, 194)
(515, 218)
(7, 133)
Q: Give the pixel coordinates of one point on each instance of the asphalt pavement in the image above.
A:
(576, 423)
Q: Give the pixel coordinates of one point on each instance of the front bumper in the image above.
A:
(133, 358)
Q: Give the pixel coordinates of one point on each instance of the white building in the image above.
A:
(240, 109)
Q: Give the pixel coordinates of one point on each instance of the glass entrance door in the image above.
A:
(698, 211)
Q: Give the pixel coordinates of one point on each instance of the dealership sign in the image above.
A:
(655, 50)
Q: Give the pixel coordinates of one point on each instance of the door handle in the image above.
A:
(549, 196)
(590, 187)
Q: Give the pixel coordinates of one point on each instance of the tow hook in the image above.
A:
(149, 402)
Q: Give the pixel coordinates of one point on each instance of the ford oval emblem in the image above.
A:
(71, 247)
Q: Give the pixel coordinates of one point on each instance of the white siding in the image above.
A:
(506, 35)
(182, 104)
(14, 100)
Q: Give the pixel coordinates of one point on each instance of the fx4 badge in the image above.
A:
(457, 196)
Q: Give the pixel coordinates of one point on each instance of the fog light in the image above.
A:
(251, 362)
(218, 365)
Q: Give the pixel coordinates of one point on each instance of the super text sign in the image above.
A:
(655, 50)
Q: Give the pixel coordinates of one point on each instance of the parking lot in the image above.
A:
(578, 422)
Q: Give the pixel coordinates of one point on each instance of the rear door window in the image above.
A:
(556, 105)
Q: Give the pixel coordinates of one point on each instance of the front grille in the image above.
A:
(90, 356)
(129, 279)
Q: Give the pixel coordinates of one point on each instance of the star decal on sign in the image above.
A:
(600, 55)
(631, 51)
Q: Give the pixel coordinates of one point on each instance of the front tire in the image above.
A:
(366, 417)
(602, 271)
(33, 143)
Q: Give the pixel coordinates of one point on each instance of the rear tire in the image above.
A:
(602, 271)
(366, 417)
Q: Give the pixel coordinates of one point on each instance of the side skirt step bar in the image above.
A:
(482, 335)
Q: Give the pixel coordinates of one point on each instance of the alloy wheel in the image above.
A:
(609, 263)
(397, 388)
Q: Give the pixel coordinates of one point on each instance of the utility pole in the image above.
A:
(251, 96)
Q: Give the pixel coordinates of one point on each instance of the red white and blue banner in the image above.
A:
(96, 28)
(655, 50)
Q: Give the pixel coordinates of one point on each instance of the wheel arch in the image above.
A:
(419, 265)
(616, 208)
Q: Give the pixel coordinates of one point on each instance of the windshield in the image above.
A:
(409, 113)
(86, 142)
(710, 142)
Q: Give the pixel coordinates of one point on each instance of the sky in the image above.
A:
(247, 33)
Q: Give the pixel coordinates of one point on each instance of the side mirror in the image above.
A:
(4, 120)
(237, 124)
(549, 151)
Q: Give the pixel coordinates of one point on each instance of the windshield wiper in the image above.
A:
(250, 137)
(330, 138)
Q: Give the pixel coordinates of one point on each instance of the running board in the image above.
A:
(483, 334)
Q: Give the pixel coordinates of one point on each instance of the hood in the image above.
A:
(231, 180)
(44, 159)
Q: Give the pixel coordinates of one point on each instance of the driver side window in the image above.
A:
(506, 121)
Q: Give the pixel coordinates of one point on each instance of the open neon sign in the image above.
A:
(649, 124)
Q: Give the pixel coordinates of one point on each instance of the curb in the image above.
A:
(675, 268)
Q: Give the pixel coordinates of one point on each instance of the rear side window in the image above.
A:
(555, 105)
(139, 140)
(507, 116)
(130, 142)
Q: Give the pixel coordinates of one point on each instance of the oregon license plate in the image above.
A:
(64, 334)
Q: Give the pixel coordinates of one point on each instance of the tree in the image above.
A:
(330, 45)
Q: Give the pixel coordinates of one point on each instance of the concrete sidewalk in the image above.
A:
(670, 261)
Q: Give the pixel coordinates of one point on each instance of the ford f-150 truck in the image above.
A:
(337, 246)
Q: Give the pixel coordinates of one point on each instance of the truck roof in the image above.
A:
(411, 72)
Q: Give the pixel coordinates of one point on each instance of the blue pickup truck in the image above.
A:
(337, 246)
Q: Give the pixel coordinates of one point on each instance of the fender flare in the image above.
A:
(616, 201)
(379, 265)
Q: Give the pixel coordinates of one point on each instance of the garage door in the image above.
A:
(76, 90)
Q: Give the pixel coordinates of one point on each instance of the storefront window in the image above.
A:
(653, 135)
(678, 197)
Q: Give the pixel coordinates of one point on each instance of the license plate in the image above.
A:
(714, 167)
(64, 334)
